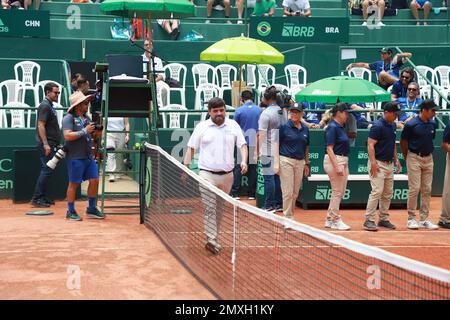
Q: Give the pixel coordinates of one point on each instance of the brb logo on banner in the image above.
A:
(264, 28)
(291, 30)
(3, 28)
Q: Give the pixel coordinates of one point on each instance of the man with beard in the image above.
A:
(400, 87)
(215, 139)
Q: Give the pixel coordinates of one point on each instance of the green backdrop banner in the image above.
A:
(300, 29)
(20, 23)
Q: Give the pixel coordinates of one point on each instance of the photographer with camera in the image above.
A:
(79, 135)
(48, 136)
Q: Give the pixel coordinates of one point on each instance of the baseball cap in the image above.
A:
(392, 106)
(428, 104)
(386, 50)
(297, 106)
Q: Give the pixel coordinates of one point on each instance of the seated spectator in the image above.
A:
(411, 102)
(146, 59)
(171, 26)
(83, 85)
(361, 120)
(378, 15)
(16, 4)
(399, 88)
(264, 8)
(218, 5)
(296, 8)
(313, 118)
(420, 4)
(387, 69)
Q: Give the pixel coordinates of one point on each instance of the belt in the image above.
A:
(385, 161)
(423, 155)
(217, 172)
(290, 157)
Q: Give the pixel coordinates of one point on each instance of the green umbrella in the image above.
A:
(342, 89)
(160, 9)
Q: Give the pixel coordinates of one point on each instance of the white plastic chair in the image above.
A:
(425, 88)
(266, 75)
(18, 116)
(162, 93)
(39, 93)
(15, 91)
(295, 77)
(174, 118)
(203, 71)
(206, 92)
(442, 78)
(28, 72)
(250, 72)
(225, 74)
(178, 72)
(362, 73)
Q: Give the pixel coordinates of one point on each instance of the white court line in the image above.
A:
(59, 250)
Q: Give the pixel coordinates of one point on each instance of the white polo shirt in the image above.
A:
(297, 5)
(216, 144)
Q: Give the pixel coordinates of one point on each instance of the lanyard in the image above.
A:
(413, 105)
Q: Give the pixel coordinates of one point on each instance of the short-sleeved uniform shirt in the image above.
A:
(391, 68)
(270, 121)
(247, 116)
(399, 89)
(293, 140)
(420, 135)
(47, 113)
(446, 135)
(406, 105)
(216, 144)
(82, 147)
(336, 135)
(384, 134)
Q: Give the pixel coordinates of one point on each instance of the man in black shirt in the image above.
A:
(48, 135)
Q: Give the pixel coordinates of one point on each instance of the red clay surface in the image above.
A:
(432, 247)
(118, 258)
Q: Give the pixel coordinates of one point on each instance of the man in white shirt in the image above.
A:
(296, 8)
(215, 139)
(146, 58)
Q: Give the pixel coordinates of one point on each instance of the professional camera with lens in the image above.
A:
(60, 154)
(96, 119)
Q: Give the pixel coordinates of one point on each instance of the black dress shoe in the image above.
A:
(39, 203)
(445, 225)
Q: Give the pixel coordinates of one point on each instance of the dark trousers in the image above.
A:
(40, 189)
(272, 186)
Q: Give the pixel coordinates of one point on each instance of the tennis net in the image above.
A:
(265, 256)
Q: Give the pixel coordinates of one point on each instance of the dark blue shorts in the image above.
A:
(82, 170)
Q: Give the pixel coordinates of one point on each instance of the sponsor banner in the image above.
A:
(24, 23)
(300, 29)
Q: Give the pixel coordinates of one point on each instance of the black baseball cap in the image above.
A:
(428, 104)
(386, 50)
(296, 106)
(392, 106)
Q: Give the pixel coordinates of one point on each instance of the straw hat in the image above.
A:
(78, 97)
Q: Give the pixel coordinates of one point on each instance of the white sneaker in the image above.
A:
(251, 198)
(412, 224)
(364, 23)
(239, 22)
(427, 224)
(328, 223)
(229, 22)
(111, 178)
(380, 24)
(208, 21)
(339, 225)
(237, 198)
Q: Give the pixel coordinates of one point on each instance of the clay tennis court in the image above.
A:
(120, 259)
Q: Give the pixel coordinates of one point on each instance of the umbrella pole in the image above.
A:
(240, 77)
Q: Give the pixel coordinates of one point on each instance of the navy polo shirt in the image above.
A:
(399, 90)
(446, 135)
(420, 135)
(336, 135)
(247, 116)
(391, 68)
(293, 141)
(384, 133)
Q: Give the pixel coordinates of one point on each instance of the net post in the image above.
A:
(233, 254)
